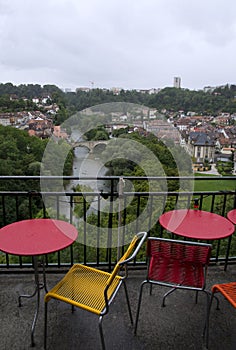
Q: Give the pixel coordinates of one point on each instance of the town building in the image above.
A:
(202, 146)
(177, 82)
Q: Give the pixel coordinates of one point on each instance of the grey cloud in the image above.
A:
(132, 44)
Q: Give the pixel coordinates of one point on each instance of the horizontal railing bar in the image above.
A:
(53, 268)
(197, 178)
(25, 193)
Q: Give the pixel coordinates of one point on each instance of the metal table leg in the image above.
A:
(38, 287)
(227, 253)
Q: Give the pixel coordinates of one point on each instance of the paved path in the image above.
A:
(213, 171)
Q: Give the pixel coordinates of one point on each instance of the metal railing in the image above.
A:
(102, 215)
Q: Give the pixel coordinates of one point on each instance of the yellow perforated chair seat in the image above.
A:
(83, 287)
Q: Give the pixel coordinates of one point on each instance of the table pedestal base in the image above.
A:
(38, 287)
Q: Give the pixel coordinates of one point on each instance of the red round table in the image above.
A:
(232, 216)
(198, 224)
(36, 237)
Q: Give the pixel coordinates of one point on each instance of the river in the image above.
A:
(84, 165)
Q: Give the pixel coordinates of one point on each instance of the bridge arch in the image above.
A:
(90, 145)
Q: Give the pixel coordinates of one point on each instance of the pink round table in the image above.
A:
(232, 216)
(198, 224)
(36, 237)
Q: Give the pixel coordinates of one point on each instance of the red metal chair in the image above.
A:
(177, 264)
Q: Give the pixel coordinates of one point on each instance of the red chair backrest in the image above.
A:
(179, 250)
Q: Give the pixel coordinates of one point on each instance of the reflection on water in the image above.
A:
(87, 166)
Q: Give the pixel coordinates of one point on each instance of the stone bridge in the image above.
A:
(89, 144)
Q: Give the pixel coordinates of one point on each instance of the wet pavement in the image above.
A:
(178, 326)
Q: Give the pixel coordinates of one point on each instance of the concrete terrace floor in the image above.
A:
(178, 326)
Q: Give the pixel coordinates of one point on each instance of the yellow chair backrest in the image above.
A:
(125, 256)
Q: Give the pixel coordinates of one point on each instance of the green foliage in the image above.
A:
(8, 105)
(224, 168)
(81, 204)
(57, 152)
(119, 132)
(19, 152)
(97, 134)
(131, 159)
(22, 154)
(198, 101)
(30, 91)
(171, 99)
(222, 99)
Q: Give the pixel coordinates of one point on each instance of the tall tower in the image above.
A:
(177, 82)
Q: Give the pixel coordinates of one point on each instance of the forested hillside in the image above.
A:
(29, 91)
(20, 155)
(222, 99)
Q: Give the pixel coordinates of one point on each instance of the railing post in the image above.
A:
(120, 209)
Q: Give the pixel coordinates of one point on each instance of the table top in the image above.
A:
(36, 236)
(232, 216)
(196, 224)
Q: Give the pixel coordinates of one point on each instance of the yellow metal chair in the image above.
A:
(92, 289)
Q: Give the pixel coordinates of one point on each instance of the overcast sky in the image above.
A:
(118, 43)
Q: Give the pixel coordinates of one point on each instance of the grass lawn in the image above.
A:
(214, 185)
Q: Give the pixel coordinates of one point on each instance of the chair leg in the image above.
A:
(128, 302)
(101, 332)
(139, 304)
(217, 302)
(150, 289)
(166, 295)
(196, 297)
(206, 328)
(45, 324)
